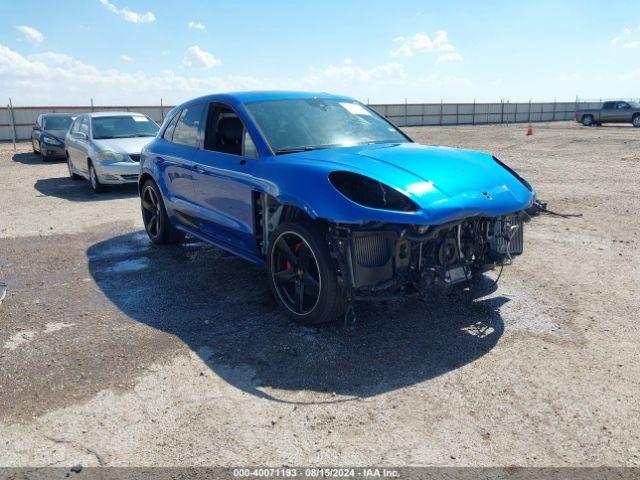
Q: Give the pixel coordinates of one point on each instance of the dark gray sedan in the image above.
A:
(47, 137)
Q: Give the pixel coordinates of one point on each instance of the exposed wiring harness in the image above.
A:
(540, 208)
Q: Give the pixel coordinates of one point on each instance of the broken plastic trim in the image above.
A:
(515, 174)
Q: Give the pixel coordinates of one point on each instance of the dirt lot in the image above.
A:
(113, 352)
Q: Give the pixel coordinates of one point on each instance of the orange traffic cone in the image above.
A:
(529, 130)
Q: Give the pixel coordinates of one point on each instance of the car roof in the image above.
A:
(114, 113)
(44, 115)
(264, 95)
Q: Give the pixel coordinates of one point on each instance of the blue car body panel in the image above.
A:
(210, 194)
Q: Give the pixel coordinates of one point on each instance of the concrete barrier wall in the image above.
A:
(400, 114)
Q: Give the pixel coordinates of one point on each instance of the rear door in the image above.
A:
(608, 112)
(76, 146)
(173, 161)
(223, 179)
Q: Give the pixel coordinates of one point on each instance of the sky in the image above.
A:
(135, 52)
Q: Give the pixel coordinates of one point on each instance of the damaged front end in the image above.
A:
(385, 260)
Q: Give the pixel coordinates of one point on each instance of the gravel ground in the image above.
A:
(114, 352)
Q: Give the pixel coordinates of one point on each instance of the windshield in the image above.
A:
(314, 123)
(123, 126)
(57, 123)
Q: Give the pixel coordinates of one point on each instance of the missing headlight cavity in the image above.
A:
(370, 193)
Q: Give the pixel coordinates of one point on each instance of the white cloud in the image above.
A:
(196, 57)
(634, 44)
(128, 15)
(348, 73)
(450, 57)
(196, 26)
(618, 38)
(51, 78)
(439, 79)
(421, 42)
(633, 75)
(31, 34)
(567, 77)
(126, 57)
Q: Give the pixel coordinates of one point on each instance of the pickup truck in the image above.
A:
(611, 112)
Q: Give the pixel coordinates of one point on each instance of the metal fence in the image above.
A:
(19, 120)
(417, 114)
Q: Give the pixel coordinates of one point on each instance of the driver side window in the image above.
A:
(226, 133)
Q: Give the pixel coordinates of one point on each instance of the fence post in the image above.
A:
(529, 111)
(515, 115)
(553, 118)
(501, 111)
(473, 113)
(161, 111)
(457, 119)
(406, 113)
(13, 123)
(92, 104)
(422, 113)
(441, 112)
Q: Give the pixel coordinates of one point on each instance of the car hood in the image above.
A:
(59, 134)
(123, 145)
(450, 182)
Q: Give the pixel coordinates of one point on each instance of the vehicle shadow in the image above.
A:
(30, 158)
(221, 307)
(80, 191)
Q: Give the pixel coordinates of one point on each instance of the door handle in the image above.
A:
(198, 169)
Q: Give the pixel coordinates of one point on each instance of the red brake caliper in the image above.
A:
(296, 248)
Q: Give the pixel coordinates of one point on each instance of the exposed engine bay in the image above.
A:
(383, 259)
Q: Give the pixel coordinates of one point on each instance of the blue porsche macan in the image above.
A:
(337, 203)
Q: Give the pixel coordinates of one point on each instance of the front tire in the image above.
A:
(155, 218)
(303, 275)
(33, 146)
(636, 121)
(587, 120)
(94, 180)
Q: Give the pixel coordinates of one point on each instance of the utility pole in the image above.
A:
(13, 123)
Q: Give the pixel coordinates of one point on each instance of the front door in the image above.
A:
(223, 180)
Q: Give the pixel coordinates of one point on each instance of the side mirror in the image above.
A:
(79, 135)
(36, 127)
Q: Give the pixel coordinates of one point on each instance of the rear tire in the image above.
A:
(33, 146)
(587, 120)
(72, 174)
(636, 121)
(94, 180)
(155, 218)
(303, 275)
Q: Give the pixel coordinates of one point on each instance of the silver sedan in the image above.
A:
(105, 147)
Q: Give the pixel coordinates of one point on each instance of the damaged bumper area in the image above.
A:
(380, 260)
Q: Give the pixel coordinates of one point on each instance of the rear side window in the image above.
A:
(186, 131)
(608, 105)
(168, 132)
(84, 126)
(76, 125)
(226, 133)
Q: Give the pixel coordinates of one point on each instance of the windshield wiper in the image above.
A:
(306, 149)
(296, 150)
